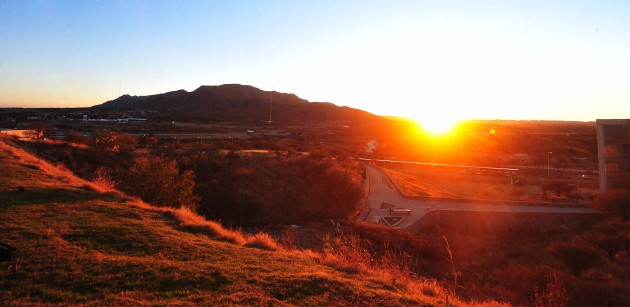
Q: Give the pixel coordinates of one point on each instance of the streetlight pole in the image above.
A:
(548, 163)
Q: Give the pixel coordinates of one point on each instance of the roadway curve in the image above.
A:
(383, 190)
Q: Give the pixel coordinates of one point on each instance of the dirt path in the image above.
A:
(386, 205)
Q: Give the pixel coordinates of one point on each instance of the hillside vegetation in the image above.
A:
(80, 243)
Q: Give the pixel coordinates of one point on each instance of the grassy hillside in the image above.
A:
(78, 243)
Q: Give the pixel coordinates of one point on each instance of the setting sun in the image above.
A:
(437, 125)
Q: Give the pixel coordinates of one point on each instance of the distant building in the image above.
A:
(613, 148)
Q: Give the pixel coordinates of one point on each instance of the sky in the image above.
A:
(427, 60)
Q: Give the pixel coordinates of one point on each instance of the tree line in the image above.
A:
(283, 185)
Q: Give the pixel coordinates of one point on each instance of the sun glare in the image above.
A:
(437, 125)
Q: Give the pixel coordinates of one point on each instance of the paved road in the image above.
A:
(383, 193)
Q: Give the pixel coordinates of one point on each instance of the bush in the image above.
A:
(41, 129)
(575, 256)
(611, 244)
(558, 187)
(103, 179)
(554, 293)
(259, 190)
(109, 145)
(73, 136)
(517, 193)
(159, 182)
(614, 202)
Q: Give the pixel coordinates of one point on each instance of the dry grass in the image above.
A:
(262, 240)
(414, 182)
(187, 219)
(510, 249)
(417, 184)
(122, 251)
(193, 222)
(58, 172)
(345, 253)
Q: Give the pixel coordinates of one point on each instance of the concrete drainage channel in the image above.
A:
(386, 205)
(395, 217)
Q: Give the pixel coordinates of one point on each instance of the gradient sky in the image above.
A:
(567, 60)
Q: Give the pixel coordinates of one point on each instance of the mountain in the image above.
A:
(243, 103)
(123, 101)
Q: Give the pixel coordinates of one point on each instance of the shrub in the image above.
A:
(614, 202)
(611, 244)
(159, 182)
(74, 136)
(517, 193)
(258, 190)
(553, 294)
(41, 129)
(575, 256)
(558, 187)
(103, 179)
(574, 196)
(108, 144)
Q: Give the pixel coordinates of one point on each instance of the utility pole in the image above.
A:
(548, 163)
(271, 103)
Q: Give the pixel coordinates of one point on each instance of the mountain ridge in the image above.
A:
(237, 102)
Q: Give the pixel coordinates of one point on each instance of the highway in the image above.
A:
(386, 205)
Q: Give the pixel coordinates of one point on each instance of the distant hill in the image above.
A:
(243, 103)
(124, 101)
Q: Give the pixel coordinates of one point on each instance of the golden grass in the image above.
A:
(345, 258)
(187, 219)
(59, 172)
(125, 252)
(262, 240)
(417, 184)
(193, 222)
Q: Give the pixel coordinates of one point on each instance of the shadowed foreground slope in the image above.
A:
(76, 244)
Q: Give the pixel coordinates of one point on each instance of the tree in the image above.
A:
(574, 196)
(160, 183)
(108, 144)
(41, 129)
(518, 192)
(575, 256)
(611, 244)
(74, 136)
(614, 202)
(558, 187)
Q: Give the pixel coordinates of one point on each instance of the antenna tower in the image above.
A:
(270, 103)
